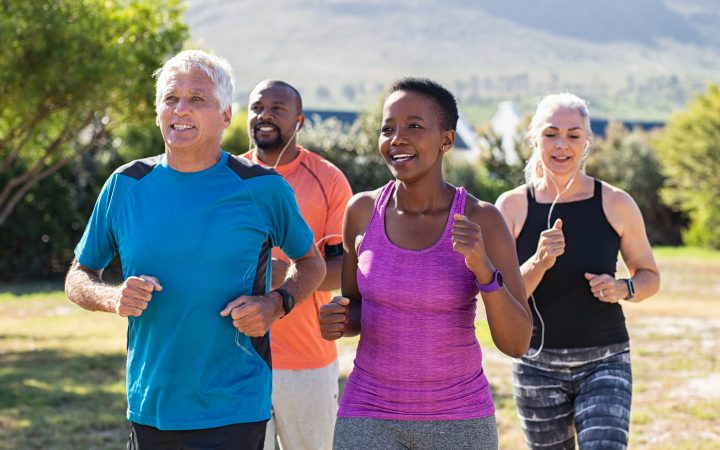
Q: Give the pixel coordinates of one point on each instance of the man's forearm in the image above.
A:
(304, 276)
(85, 288)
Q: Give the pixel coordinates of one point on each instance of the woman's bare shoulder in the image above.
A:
(363, 201)
(513, 199)
(480, 211)
(513, 206)
(360, 210)
(616, 199)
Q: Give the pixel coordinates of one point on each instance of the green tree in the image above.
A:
(689, 150)
(235, 139)
(488, 174)
(475, 177)
(627, 160)
(352, 148)
(70, 72)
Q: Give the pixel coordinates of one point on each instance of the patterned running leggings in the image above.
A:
(583, 392)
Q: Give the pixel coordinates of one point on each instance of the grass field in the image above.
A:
(62, 368)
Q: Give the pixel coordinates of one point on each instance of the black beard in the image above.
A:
(270, 145)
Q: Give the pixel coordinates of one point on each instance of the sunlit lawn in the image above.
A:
(62, 368)
(675, 348)
(61, 374)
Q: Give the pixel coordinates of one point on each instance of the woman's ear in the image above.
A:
(586, 151)
(448, 141)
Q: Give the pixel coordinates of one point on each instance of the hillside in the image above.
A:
(635, 60)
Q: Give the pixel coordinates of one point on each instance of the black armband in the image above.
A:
(333, 250)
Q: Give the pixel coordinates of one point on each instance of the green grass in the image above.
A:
(61, 373)
(30, 291)
(686, 254)
(62, 369)
(675, 341)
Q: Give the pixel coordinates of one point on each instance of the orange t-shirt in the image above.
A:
(322, 192)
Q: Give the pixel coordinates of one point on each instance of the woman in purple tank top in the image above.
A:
(417, 252)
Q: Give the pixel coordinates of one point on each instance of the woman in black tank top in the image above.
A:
(575, 381)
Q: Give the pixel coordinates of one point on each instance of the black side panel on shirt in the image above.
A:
(246, 169)
(262, 344)
(573, 316)
(139, 168)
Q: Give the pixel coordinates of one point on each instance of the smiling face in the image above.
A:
(189, 114)
(562, 140)
(273, 115)
(411, 136)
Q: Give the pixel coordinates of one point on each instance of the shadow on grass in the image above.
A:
(34, 287)
(61, 400)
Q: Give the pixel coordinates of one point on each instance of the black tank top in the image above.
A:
(573, 316)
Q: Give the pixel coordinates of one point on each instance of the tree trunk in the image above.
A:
(17, 187)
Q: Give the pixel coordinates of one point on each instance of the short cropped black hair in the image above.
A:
(443, 98)
(291, 88)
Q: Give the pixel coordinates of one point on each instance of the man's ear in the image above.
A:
(227, 116)
(300, 122)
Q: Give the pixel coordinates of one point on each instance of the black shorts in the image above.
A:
(240, 436)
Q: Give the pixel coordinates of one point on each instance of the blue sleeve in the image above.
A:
(289, 231)
(98, 245)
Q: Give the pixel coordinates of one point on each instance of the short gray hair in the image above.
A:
(217, 68)
(549, 103)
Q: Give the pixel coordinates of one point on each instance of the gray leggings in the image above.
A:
(378, 434)
(587, 391)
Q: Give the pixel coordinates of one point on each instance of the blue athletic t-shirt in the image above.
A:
(207, 237)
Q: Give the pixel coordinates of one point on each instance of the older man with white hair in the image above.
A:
(193, 228)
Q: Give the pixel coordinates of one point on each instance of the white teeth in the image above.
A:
(181, 127)
(401, 157)
(266, 128)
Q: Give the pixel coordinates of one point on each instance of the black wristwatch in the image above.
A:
(631, 289)
(288, 301)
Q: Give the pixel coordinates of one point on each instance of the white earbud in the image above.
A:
(282, 152)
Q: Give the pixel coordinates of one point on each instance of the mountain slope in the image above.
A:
(638, 58)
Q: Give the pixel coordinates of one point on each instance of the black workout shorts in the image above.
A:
(241, 436)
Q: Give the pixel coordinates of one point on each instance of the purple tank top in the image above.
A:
(418, 358)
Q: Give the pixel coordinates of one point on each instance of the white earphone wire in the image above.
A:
(294, 133)
(549, 218)
(282, 152)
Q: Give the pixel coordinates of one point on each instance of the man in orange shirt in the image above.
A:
(305, 366)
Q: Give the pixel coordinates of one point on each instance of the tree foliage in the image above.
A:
(236, 139)
(352, 148)
(76, 101)
(626, 159)
(71, 71)
(488, 174)
(689, 150)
